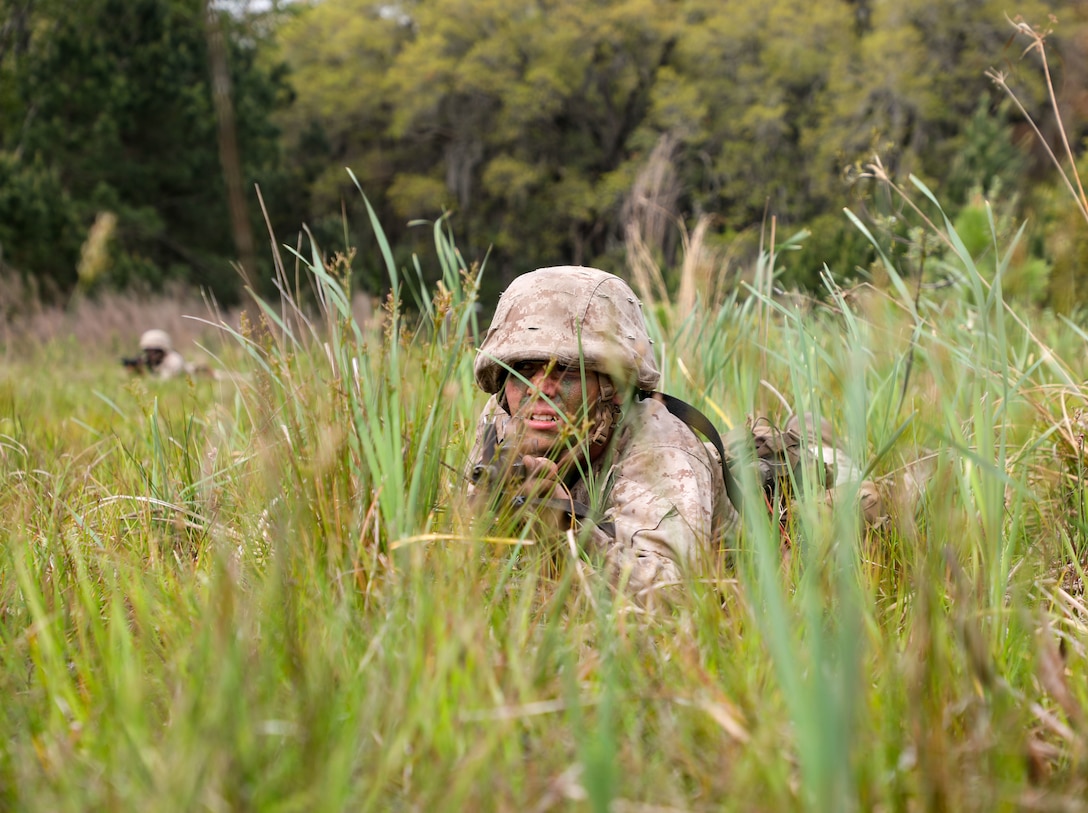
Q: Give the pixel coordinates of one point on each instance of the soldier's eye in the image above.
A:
(527, 369)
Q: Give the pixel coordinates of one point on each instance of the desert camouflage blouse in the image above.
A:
(661, 487)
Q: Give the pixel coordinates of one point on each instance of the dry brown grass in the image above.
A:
(108, 321)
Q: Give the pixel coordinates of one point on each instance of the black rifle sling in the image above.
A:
(701, 423)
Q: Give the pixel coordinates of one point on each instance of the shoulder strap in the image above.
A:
(701, 423)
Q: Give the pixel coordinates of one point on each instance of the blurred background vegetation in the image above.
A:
(135, 133)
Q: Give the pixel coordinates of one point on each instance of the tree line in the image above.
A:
(550, 131)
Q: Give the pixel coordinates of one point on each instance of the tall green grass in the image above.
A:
(268, 593)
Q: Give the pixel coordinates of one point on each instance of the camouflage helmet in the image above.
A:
(155, 340)
(568, 313)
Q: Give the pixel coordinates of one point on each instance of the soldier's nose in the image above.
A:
(549, 383)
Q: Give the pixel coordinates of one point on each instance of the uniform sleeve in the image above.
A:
(660, 502)
(666, 502)
(172, 365)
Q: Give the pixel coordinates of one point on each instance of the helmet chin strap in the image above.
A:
(606, 412)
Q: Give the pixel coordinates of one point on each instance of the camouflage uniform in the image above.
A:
(154, 343)
(659, 485)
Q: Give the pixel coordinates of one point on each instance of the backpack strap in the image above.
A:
(699, 422)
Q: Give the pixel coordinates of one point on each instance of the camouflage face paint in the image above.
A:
(549, 412)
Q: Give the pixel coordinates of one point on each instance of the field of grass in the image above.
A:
(266, 593)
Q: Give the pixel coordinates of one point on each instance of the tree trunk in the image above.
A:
(228, 145)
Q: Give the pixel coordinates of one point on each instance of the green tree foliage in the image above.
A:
(534, 122)
(1064, 240)
(340, 116)
(39, 227)
(988, 155)
(519, 118)
(552, 130)
(107, 103)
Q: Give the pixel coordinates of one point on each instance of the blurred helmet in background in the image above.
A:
(156, 340)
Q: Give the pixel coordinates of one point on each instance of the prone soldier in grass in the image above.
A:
(573, 427)
(575, 434)
(157, 356)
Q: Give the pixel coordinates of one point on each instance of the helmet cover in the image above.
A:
(569, 314)
(155, 339)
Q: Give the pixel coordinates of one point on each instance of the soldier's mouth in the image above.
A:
(544, 421)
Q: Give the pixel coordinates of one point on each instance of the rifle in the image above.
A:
(135, 364)
(501, 469)
(499, 464)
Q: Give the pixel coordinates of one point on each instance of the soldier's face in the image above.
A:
(154, 356)
(550, 410)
